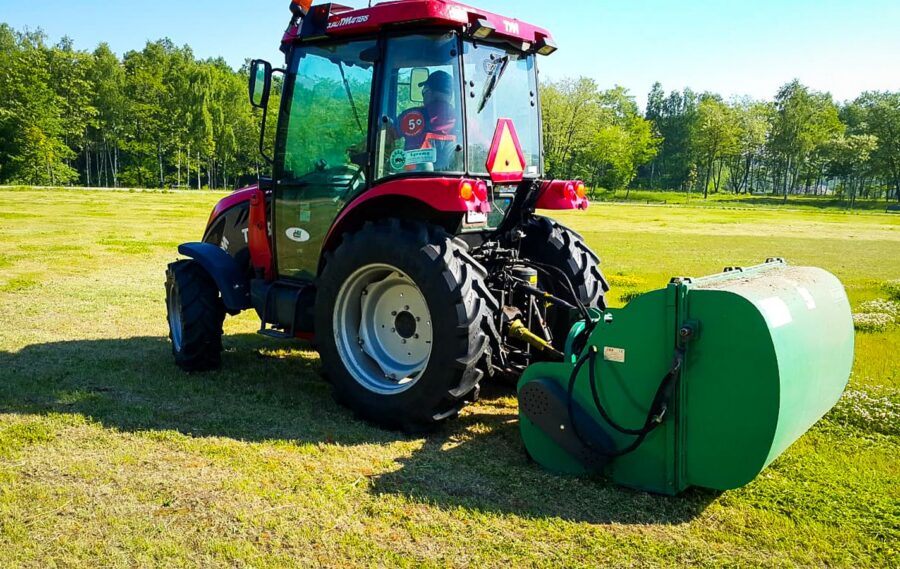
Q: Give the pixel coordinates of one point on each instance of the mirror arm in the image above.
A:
(262, 134)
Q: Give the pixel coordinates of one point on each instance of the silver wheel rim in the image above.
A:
(174, 310)
(382, 329)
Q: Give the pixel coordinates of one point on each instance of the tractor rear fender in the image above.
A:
(224, 270)
(432, 200)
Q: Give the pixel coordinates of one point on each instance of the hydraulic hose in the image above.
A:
(655, 415)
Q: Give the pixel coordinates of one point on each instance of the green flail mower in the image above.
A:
(399, 234)
(703, 383)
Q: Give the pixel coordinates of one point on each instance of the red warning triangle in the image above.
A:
(506, 161)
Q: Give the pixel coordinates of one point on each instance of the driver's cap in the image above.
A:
(438, 81)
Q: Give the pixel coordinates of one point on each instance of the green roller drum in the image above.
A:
(711, 379)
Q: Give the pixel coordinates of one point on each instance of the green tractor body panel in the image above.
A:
(769, 354)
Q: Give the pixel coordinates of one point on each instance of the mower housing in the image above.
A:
(765, 352)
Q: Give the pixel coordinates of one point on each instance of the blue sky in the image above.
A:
(732, 47)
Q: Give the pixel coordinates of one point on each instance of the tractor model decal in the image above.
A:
(297, 234)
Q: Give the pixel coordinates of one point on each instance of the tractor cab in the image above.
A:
(366, 106)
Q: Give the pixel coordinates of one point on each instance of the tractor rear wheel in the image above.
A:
(401, 311)
(553, 244)
(195, 314)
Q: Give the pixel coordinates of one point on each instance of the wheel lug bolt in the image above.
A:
(393, 329)
(403, 341)
(418, 319)
(394, 313)
(416, 336)
(406, 307)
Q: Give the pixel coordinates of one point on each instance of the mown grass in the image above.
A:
(728, 200)
(111, 457)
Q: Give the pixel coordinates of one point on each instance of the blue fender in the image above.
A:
(228, 276)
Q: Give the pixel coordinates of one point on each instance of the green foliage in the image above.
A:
(892, 288)
(673, 119)
(157, 117)
(716, 134)
(595, 135)
(801, 143)
(32, 124)
(877, 114)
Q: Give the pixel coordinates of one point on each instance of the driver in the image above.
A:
(432, 125)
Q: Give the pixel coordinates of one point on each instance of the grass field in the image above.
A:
(729, 200)
(109, 456)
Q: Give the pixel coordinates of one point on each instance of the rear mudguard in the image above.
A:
(229, 276)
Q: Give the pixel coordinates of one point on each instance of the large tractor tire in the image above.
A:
(552, 244)
(195, 314)
(401, 314)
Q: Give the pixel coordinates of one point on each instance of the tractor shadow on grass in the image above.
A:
(478, 462)
(265, 390)
(269, 391)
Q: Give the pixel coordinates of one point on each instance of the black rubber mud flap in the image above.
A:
(545, 403)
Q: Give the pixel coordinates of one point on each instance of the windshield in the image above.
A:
(420, 124)
(500, 83)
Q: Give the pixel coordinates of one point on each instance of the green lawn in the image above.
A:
(109, 456)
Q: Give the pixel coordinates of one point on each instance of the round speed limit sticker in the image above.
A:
(412, 123)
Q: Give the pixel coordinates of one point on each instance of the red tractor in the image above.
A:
(398, 231)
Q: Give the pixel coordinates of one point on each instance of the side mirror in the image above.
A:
(260, 82)
(416, 76)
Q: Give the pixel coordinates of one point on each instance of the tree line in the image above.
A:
(160, 117)
(802, 142)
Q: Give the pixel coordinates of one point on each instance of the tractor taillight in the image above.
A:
(580, 190)
(467, 190)
(481, 190)
(569, 191)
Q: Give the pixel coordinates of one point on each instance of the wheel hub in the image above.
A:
(383, 327)
(405, 323)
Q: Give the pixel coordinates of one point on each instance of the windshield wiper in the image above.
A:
(492, 82)
(350, 97)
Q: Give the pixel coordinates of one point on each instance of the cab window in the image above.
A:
(320, 165)
(501, 83)
(420, 128)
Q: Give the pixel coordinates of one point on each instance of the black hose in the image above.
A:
(564, 278)
(655, 415)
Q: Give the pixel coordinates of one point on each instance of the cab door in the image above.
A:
(322, 156)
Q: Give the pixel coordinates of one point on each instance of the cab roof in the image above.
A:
(344, 21)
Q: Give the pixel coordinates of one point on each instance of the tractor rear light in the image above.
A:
(569, 191)
(580, 190)
(481, 190)
(467, 190)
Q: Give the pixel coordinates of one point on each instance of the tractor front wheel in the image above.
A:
(401, 310)
(195, 314)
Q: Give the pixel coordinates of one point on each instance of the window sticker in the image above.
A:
(421, 156)
(402, 158)
(412, 123)
(398, 159)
